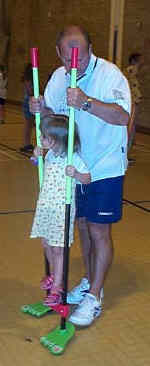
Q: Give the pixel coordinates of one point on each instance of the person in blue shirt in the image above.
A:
(102, 103)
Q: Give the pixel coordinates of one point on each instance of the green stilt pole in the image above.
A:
(38, 309)
(57, 340)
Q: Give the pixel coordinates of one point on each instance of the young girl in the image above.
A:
(49, 218)
(3, 92)
(28, 117)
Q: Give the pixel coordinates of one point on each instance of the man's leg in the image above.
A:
(85, 241)
(76, 295)
(97, 250)
(91, 305)
(104, 206)
(102, 249)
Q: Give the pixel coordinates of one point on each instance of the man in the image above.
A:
(102, 105)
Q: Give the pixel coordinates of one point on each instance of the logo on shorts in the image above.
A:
(105, 213)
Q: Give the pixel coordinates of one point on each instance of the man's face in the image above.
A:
(65, 50)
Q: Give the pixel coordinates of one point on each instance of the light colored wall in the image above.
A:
(35, 23)
(136, 34)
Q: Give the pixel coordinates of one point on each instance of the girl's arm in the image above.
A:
(72, 172)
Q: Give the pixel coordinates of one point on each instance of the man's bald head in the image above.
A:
(74, 33)
(74, 36)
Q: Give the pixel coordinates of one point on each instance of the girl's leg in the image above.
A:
(57, 265)
(55, 295)
(48, 254)
(54, 256)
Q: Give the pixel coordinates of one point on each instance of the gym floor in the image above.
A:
(121, 336)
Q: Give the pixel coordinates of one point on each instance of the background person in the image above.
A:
(3, 92)
(136, 62)
(28, 116)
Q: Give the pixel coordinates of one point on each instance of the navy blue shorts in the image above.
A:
(100, 201)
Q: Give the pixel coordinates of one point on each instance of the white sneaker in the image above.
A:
(76, 295)
(87, 311)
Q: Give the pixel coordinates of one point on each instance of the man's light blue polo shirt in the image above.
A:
(103, 146)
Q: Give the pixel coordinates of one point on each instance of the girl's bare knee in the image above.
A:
(44, 243)
(57, 251)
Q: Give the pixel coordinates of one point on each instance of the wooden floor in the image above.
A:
(122, 335)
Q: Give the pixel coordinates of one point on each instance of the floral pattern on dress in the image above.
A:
(49, 219)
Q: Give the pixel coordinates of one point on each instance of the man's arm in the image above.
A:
(110, 112)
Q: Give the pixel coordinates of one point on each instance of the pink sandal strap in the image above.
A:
(47, 282)
(54, 298)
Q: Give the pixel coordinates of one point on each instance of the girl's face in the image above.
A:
(47, 142)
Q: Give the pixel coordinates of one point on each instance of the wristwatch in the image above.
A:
(86, 105)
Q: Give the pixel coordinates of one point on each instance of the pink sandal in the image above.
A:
(47, 282)
(54, 298)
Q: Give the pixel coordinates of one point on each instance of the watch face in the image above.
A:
(86, 105)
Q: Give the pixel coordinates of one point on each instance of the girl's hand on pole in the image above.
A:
(71, 171)
(38, 151)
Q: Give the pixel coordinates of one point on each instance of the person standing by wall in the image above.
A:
(136, 61)
(3, 92)
(27, 80)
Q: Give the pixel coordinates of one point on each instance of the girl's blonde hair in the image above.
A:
(56, 126)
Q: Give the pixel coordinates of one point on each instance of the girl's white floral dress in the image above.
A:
(49, 217)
